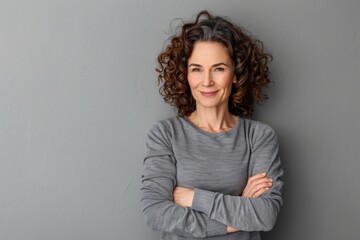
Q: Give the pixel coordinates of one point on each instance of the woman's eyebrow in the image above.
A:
(219, 64)
(194, 65)
(215, 65)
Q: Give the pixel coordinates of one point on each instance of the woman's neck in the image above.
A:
(213, 120)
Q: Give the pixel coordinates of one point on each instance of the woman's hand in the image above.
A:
(257, 185)
(183, 196)
(231, 229)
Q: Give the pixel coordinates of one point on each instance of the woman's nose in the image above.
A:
(207, 80)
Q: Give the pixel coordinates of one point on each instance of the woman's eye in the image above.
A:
(219, 69)
(195, 69)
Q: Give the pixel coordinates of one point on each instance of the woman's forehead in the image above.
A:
(209, 52)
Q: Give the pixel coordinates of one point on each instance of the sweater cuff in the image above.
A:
(203, 201)
(215, 228)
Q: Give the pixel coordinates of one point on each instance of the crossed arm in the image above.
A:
(201, 213)
(256, 185)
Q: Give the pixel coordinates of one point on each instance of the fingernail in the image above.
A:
(270, 180)
(263, 174)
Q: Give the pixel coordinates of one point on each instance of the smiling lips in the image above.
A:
(208, 94)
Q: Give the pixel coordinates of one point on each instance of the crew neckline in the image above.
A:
(231, 130)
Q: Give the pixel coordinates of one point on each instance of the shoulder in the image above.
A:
(165, 130)
(258, 130)
(160, 136)
(165, 126)
(256, 125)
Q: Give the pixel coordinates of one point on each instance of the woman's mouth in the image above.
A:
(208, 94)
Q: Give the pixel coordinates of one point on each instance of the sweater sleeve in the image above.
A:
(158, 181)
(249, 214)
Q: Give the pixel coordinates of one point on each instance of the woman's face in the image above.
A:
(210, 75)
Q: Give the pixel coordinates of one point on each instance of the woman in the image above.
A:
(211, 172)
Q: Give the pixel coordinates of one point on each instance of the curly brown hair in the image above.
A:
(250, 64)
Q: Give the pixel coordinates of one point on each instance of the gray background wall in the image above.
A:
(78, 92)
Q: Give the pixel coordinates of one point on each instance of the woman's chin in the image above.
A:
(211, 105)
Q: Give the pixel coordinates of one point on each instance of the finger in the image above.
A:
(253, 181)
(256, 176)
(177, 199)
(254, 185)
(261, 180)
(257, 187)
(176, 192)
(259, 192)
(261, 185)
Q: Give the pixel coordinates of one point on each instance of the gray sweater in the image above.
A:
(217, 166)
